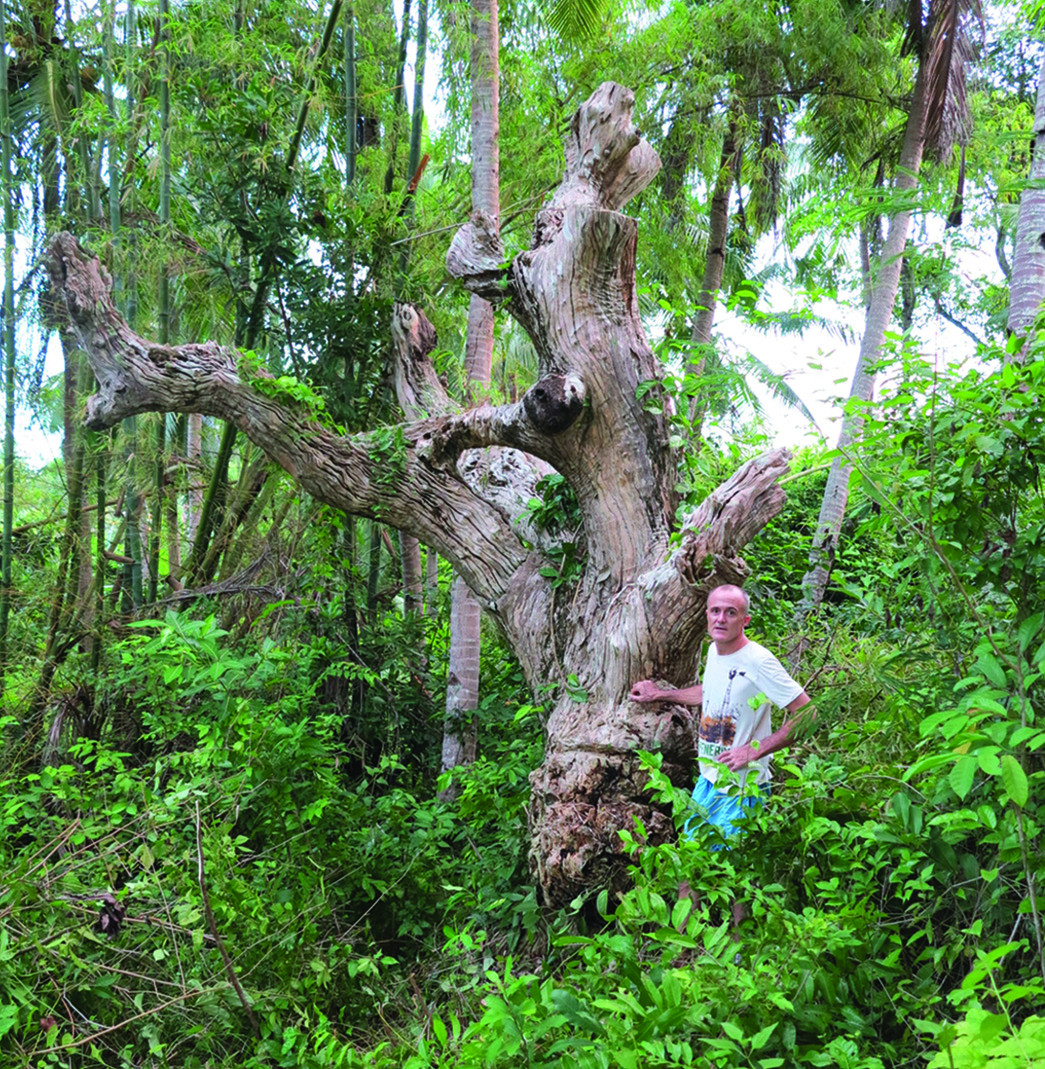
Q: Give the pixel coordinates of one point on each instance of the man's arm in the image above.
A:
(648, 691)
(740, 756)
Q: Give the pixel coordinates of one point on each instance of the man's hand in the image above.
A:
(739, 757)
(646, 691)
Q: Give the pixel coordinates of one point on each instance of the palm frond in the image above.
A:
(775, 383)
(949, 48)
(576, 21)
(792, 323)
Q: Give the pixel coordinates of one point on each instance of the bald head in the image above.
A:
(733, 592)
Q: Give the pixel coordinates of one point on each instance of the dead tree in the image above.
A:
(459, 479)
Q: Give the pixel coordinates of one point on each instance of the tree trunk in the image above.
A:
(714, 269)
(164, 305)
(460, 728)
(351, 104)
(431, 580)
(373, 571)
(253, 476)
(879, 312)
(635, 609)
(194, 455)
(410, 563)
(398, 95)
(8, 340)
(410, 547)
(1027, 286)
(101, 459)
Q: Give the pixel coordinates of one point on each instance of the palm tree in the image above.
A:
(164, 304)
(1027, 288)
(460, 728)
(410, 547)
(941, 46)
(8, 194)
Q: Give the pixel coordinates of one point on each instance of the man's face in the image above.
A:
(727, 617)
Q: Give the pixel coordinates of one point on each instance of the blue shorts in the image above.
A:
(720, 809)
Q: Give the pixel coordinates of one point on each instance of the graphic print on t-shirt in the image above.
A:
(718, 727)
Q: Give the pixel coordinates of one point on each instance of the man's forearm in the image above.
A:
(782, 736)
(739, 757)
(648, 691)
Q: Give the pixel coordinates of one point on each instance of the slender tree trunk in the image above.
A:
(178, 434)
(82, 574)
(431, 580)
(1027, 287)
(133, 591)
(133, 586)
(410, 556)
(373, 576)
(94, 211)
(249, 506)
(885, 285)
(714, 269)
(213, 505)
(194, 455)
(253, 477)
(398, 95)
(101, 457)
(8, 194)
(409, 546)
(78, 376)
(460, 728)
(160, 486)
(351, 103)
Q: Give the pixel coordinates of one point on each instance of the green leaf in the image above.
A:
(439, 1030)
(760, 1039)
(962, 775)
(990, 445)
(990, 667)
(8, 1017)
(1029, 629)
(1014, 780)
(987, 758)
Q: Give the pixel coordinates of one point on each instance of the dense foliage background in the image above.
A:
(225, 835)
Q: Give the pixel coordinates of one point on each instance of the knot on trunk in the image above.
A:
(555, 402)
(418, 387)
(476, 256)
(412, 328)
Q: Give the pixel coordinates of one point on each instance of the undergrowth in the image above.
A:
(224, 891)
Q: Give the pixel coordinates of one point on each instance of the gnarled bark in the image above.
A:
(635, 608)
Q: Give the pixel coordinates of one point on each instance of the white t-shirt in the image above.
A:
(739, 690)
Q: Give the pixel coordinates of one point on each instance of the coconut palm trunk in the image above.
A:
(1027, 287)
(938, 81)
(460, 728)
(410, 547)
(714, 265)
(164, 316)
(8, 194)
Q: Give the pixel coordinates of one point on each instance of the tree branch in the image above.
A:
(392, 474)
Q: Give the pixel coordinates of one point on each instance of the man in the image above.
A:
(735, 725)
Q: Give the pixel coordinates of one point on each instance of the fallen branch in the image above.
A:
(230, 970)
